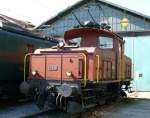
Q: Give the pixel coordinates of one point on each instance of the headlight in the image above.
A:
(69, 74)
(61, 44)
(37, 51)
(33, 72)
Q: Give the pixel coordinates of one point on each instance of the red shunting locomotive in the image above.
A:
(87, 68)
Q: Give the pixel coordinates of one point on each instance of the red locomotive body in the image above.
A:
(89, 69)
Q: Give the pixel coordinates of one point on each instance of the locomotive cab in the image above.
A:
(108, 52)
(88, 68)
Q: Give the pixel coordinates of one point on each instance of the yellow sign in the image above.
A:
(124, 22)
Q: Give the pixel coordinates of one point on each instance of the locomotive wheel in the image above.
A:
(61, 102)
(40, 100)
(123, 94)
(65, 104)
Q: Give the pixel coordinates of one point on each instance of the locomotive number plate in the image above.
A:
(52, 67)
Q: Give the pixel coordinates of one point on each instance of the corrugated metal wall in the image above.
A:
(101, 14)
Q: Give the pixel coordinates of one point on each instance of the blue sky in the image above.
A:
(37, 11)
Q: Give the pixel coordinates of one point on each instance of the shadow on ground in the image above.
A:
(123, 108)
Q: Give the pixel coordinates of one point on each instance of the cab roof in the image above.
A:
(80, 32)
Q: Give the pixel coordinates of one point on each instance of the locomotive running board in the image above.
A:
(112, 81)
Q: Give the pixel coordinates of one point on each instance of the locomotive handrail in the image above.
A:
(85, 61)
(97, 73)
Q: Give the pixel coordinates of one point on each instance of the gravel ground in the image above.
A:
(136, 106)
(136, 109)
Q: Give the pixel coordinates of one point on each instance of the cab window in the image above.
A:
(75, 42)
(105, 42)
